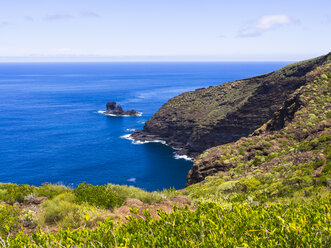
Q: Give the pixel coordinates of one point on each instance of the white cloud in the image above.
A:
(264, 24)
(59, 16)
(89, 14)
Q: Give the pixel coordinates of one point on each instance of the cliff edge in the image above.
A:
(197, 120)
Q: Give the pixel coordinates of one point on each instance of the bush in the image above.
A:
(61, 211)
(9, 219)
(99, 196)
(12, 193)
(133, 192)
(250, 184)
(51, 190)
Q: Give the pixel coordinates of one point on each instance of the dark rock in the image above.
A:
(112, 109)
(110, 106)
(285, 114)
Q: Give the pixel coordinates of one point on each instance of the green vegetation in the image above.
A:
(271, 189)
(9, 219)
(294, 162)
(12, 193)
(210, 225)
(99, 196)
(61, 210)
(136, 193)
(64, 212)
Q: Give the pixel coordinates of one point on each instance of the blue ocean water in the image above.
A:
(51, 131)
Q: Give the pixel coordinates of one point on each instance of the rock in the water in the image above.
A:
(112, 109)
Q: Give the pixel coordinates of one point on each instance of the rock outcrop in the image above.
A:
(197, 120)
(112, 109)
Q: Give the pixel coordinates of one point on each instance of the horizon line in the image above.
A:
(156, 59)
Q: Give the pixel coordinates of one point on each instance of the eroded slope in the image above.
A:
(290, 155)
(204, 118)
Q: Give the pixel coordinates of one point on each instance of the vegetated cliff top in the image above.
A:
(200, 119)
(289, 156)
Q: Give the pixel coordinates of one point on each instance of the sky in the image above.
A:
(164, 30)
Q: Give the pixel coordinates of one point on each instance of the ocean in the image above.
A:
(51, 131)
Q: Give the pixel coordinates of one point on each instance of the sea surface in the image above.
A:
(51, 131)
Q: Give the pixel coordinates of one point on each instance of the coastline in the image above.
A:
(163, 142)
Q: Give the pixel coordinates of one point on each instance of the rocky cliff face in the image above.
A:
(195, 121)
(293, 145)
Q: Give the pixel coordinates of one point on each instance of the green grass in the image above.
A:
(210, 225)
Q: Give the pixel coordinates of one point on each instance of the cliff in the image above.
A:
(289, 153)
(197, 120)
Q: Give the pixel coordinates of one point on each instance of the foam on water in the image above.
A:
(183, 157)
(104, 113)
(138, 142)
(132, 180)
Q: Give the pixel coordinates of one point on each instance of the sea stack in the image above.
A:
(113, 109)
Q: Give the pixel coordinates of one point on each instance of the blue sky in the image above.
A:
(163, 30)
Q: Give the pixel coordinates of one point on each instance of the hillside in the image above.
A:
(197, 120)
(289, 153)
(269, 189)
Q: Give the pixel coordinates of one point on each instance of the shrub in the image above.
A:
(250, 184)
(241, 151)
(99, 196)
(228, 186)
(133, 192)
(30, 198)
(51, 190)
(62, 211)
(9, 219)
(12, 193)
